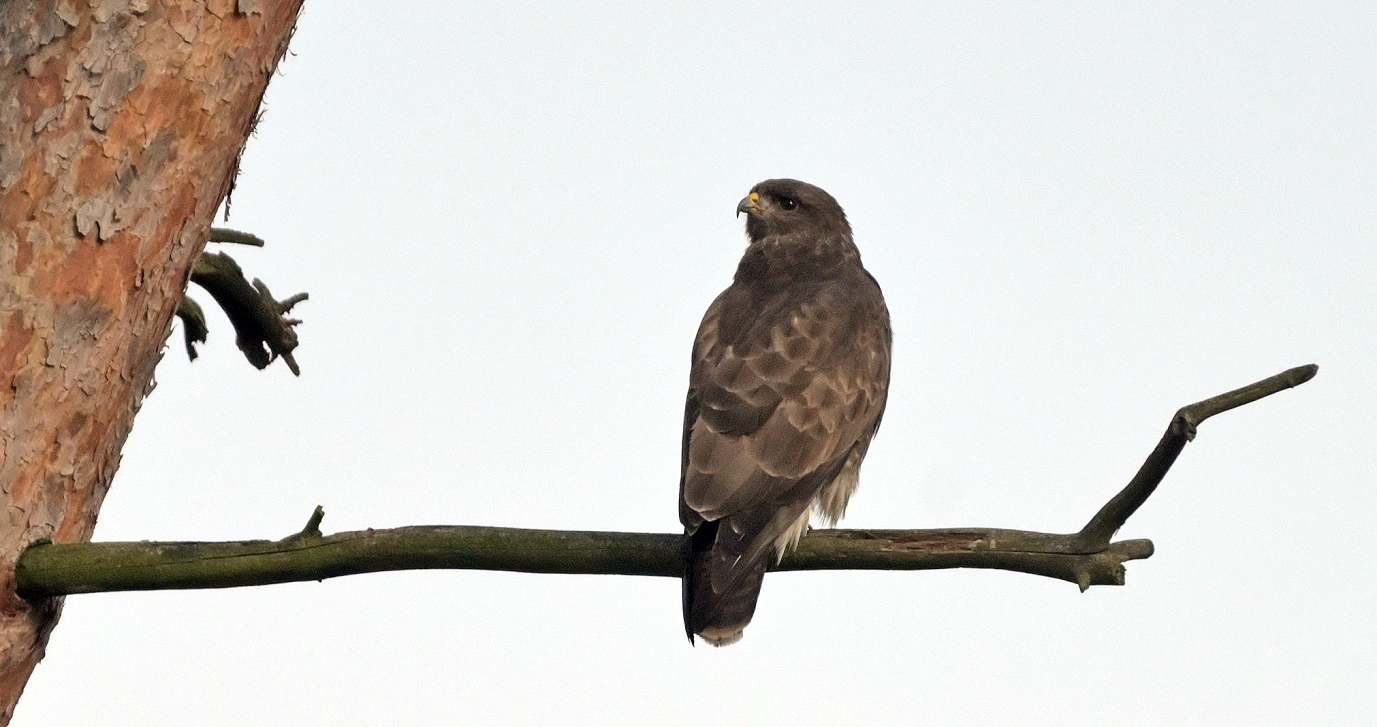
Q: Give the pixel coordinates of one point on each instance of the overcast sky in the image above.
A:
(510, 219)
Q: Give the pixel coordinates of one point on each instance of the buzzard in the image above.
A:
(789, 379)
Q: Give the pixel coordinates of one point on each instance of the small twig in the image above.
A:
(283, 345)
(224, 234)
(194, 327)
(312, 529)
(309, 533)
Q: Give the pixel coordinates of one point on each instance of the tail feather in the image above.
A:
(727, 558)
(721, 585)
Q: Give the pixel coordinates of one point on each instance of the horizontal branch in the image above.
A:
(53, 570)
(1085, 558)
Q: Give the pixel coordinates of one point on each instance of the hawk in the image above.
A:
(789, 379)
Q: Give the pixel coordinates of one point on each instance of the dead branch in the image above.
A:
(259, 319)
(262, 330)
(224, 234)
(1085, 558)
(194, 327)
(1111, 517)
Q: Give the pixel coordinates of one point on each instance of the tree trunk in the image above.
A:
(121, 125)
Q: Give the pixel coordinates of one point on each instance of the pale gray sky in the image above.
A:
(510, 219)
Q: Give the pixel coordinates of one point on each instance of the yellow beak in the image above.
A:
(749, 205)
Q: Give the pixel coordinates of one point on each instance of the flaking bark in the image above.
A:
(121, 125)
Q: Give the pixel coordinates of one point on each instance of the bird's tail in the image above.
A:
(721, 585)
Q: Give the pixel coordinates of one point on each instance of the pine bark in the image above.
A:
(121, 126)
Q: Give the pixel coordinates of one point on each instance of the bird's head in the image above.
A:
(784, 206)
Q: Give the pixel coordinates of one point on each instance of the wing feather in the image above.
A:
(782, 393)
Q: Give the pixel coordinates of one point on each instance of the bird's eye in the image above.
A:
(787, 203)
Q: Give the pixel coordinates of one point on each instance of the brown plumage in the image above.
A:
(789, 379)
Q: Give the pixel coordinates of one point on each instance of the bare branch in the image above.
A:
(194, 326)
(1086, 558)
(49, 570)
(262, 330)
(259, 319)
(1288, 379)
(224, 234)
(1096, 533)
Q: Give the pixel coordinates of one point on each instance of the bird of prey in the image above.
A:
(789, 379)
